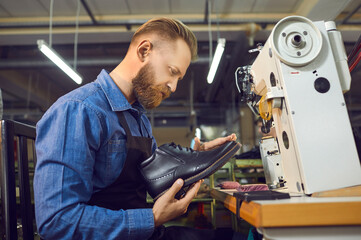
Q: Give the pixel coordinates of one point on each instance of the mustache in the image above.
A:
(166, 92)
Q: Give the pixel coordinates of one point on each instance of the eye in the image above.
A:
(172, 71)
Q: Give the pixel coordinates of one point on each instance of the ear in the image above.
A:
(144, 49)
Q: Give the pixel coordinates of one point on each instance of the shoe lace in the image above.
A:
(172, 144)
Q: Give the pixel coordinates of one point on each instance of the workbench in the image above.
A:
(300, 217)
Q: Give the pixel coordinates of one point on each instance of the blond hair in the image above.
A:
(169, 29)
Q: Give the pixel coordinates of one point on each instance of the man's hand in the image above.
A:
(200, 146)
(167, 207)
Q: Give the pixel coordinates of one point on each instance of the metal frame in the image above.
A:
(10, 130)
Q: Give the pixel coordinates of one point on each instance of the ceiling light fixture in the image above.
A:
(59, 61)
(216, 59)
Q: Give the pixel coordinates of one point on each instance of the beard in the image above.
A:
(148, 94)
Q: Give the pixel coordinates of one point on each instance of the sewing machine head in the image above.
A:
(297, 81)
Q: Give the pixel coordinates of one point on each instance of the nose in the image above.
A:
(173, 85)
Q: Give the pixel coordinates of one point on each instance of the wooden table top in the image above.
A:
(296, 211)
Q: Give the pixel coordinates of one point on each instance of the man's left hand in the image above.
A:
(205, 146)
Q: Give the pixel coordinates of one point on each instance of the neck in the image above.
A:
(122, 76)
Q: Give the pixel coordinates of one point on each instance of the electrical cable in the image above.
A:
(76, 36)
(51, 22)
(352, 58)
(210, 34)
(357, 60)
(217, 17)
(354, 50)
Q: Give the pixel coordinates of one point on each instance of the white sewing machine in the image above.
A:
(298, 81)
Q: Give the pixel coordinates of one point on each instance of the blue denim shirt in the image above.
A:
(81, 149)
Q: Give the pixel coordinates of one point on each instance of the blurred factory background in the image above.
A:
(30, 83)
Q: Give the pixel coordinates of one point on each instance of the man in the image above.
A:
(86, 183)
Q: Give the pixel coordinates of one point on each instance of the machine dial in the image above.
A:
(296, 40)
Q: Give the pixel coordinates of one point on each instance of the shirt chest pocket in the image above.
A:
(117, 146)
(116, 156)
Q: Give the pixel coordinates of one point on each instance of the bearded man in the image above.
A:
(90, 142)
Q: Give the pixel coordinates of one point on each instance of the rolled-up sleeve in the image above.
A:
(68, 137)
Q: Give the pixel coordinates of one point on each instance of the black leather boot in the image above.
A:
(170, 162)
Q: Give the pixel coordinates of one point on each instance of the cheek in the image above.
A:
(159, 65)
(160, 77)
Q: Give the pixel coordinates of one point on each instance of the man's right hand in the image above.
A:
(167, 207)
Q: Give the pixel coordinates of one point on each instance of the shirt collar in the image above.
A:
(115, 97)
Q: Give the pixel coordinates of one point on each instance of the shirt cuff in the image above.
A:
(141, 223)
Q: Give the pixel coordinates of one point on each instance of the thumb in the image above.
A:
(197, 144)
(232, 137)
(177, 185)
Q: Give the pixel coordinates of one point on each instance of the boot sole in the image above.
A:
(205, 173)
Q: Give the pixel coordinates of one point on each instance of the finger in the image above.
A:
(232, 137)
(215, 143)
(177, 185)
(197, 144)
(219, 141)
(191, 193)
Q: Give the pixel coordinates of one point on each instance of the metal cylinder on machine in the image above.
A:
(339, 54)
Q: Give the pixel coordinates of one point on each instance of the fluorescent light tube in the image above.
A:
(59, 61)
(216, 59)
